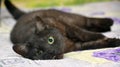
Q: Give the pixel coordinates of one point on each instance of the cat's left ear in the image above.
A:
(40, 24)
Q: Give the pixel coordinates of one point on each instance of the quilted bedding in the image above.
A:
(107, 57)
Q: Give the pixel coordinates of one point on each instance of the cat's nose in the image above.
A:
(40, 52)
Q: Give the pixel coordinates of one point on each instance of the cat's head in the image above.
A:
(46, 43)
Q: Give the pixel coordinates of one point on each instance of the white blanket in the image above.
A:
(8, 58)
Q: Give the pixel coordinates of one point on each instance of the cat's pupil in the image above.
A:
(50, 40)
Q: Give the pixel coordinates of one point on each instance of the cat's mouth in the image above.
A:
(39, 52)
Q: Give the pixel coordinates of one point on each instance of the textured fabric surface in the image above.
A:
(111, 54)
(8, 58)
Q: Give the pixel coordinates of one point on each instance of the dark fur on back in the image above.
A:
(48, 34)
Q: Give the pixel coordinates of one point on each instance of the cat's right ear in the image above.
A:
(21, 49)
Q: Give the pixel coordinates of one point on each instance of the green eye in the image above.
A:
(50, 40)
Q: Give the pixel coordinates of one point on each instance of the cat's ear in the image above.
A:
(21, 49)
(40, 24)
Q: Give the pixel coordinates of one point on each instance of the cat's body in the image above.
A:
(48, 34)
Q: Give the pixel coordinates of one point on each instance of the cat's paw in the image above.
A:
(113, 42)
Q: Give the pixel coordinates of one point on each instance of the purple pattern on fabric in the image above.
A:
(63, 9)
(66, 9)
(110, 54)
(97, 13)
(117, 20)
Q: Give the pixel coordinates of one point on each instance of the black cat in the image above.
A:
(48, 34)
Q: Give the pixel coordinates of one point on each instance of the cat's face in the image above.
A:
(45, 43)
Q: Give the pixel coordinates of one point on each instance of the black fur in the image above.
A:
(70, 32)
(13, 10)
(0, 3)
(0, 11)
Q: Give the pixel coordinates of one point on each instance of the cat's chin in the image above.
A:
(48, 58)
(59, 56)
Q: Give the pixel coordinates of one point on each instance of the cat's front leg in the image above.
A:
(102, 43)
(82, 35)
